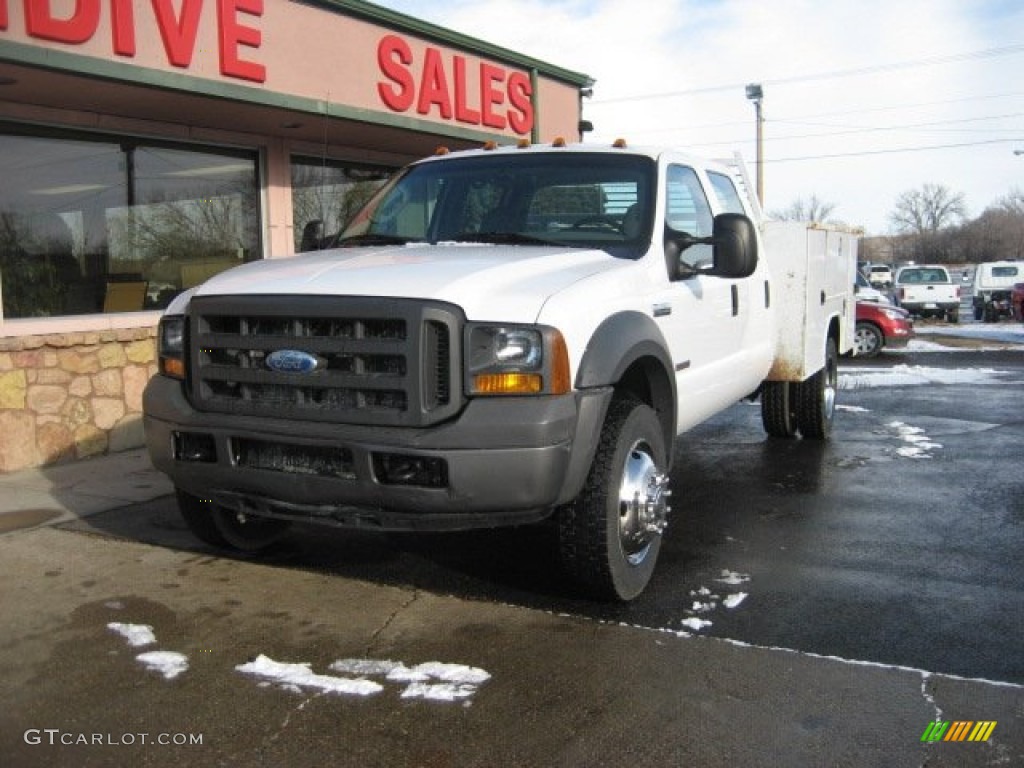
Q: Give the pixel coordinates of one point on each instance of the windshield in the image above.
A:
(564, 199)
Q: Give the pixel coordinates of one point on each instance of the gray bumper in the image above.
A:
(506, 461)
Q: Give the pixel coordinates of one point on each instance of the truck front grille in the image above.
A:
(351, 360)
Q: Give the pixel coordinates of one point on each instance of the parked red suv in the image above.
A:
(880, 327)
(1017, 301)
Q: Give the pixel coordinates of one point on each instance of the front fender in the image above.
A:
(628, 351)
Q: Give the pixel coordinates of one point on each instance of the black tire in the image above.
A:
(198, 516)
(867, 340)
(220, 527)
(778, 408)
(978, 312)
(953, 317)
(816, 398)
(607, 545)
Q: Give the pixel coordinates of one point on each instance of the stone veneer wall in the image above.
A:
(67, 396)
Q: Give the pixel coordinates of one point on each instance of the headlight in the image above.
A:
(171, 346)
(516, 360)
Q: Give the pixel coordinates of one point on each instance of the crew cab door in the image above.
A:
(702, 317)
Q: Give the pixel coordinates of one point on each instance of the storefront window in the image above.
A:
(96, 224)
(326, 195)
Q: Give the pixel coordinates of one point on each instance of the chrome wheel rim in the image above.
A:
(643, 503)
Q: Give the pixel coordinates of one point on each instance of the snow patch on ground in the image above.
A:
(1004, 333)
(301, 676)
(137, 635)
(167, 663)
(733, 578)
(852, 409)
(916, 375)
(695, 624)
(432, 680)
(918, 443)
(708, 601)
(732, 601)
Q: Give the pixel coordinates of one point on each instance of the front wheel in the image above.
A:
(816, 398)
(867, 340)
(222, 527)
(610, 535)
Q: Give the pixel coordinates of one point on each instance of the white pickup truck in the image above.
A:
(927, 291)
(993, 283)
(502, 336)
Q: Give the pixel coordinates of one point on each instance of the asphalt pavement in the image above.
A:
(470, 655)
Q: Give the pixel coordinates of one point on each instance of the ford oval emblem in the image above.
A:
(291, 361)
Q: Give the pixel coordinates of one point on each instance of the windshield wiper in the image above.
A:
(499, 238)
(374, 239)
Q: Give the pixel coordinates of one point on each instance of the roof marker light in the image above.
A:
(441, 150)
(558, 142)
(523, 144)
(619, 144)
(490, 145)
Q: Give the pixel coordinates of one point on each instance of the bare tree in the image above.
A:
(999, 232)
(928, 210)
(811, 209)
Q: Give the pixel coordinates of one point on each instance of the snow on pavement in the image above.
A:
(299, 675)
(918, 443)
(168, 663)
(1003, 333)
(431, 681)
(853, 378)
(137, 635)
(709, 601)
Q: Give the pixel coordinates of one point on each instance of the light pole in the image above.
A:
(756, 94)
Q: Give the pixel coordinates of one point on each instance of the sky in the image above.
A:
(863, 99)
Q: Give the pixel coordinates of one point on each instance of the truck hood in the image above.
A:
(487, 281)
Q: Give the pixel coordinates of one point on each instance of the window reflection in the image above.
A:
(92, 224)
(325, 197)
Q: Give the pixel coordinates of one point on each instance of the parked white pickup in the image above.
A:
(500, 336)
(928, 291)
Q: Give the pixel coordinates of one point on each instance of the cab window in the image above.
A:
(725, 192)
(687, 210)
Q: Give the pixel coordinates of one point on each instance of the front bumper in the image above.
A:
(502, 461)
(898, 336)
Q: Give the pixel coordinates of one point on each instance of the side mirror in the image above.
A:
(735, 246)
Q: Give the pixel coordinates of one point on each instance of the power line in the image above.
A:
(847, 130)
(890, 151)
(926, 62)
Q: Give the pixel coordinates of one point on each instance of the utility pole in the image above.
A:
(756, 94)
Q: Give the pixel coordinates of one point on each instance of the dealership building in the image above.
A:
(146, 145)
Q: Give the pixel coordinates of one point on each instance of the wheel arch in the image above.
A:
(835, 331)
(628, 352)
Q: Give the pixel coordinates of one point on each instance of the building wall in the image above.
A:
(66, 396)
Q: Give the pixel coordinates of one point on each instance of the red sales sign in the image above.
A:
(439, 85)
(177, 20)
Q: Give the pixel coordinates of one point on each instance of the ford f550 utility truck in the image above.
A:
(501, 337)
